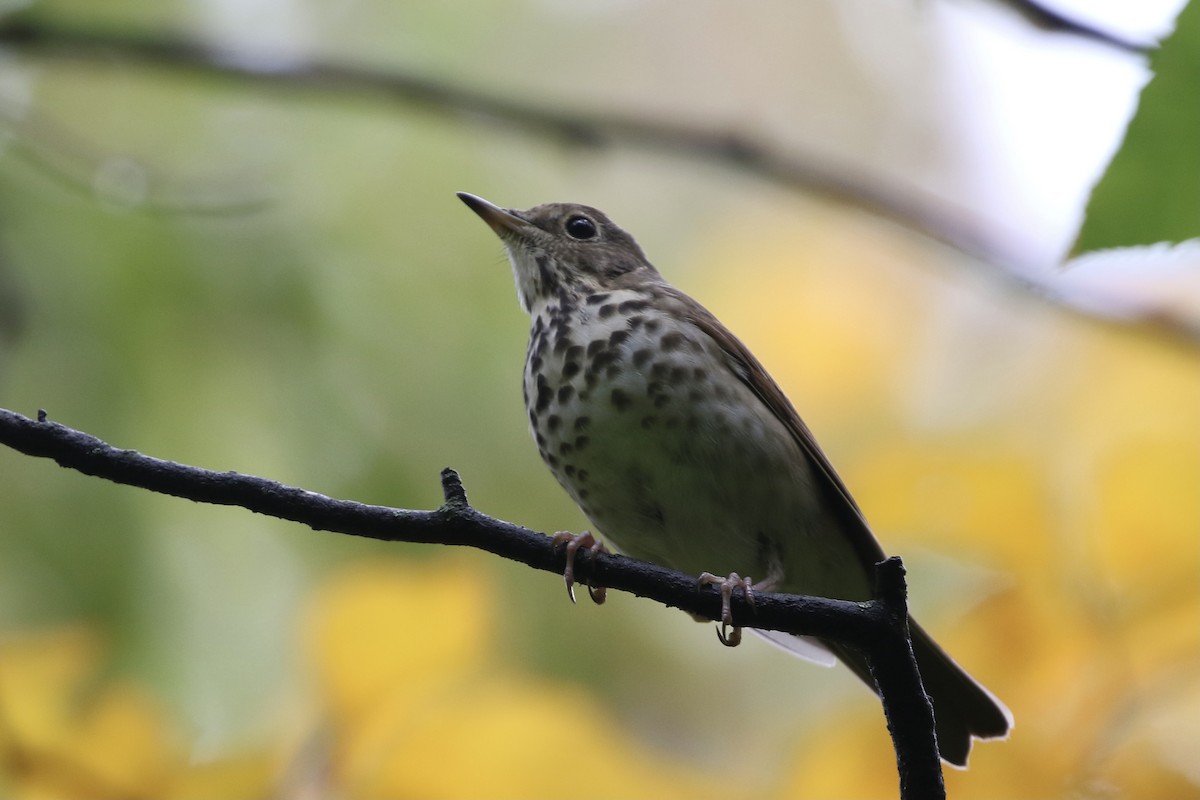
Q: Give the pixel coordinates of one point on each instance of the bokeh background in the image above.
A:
(279, 280)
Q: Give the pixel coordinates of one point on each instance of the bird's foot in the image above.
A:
(574, 542)
(729, 634)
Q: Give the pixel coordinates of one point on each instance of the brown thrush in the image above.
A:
(680, 448)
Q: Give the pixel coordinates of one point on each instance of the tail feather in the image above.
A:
(962, 708)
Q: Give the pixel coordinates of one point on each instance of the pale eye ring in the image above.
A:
(581, 228)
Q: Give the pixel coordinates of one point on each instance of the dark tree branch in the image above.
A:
(877, 628)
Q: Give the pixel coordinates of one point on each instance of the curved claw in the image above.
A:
(574, 542)
(729, 636)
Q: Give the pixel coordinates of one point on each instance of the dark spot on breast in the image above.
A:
(671, 341)
(569, 470)
(582, 423)
(640, 357)
(661, 401)
(607, 310)
(589, 380)
(613, 371)
(720, 392)
(532, 416)
(660, 370)
(581, 442)
(596, 346)
(695, 395)
(552, 422)
(565, 392)
(616, 337)
(535, 363)
(596, 299)
(620, 399)
(545, 393)
(635, 322)
(648, 422)
(678, 374)
(699, 374)
(630, 306)
(561, 344)
(570, 369)
(574, 352)
(565, 448)
(538, 325)
(541, 441)
(583, 476)
(602, 359)
(655, 387)
(583, 493)
(560, 327)
(652, 326)
(551, 459)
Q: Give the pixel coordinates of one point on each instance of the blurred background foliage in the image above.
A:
(283, 284)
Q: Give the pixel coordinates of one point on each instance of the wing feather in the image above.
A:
(750, 372)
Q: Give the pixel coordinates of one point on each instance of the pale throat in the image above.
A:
(524, 269)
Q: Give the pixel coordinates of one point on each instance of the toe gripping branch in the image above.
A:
(574, 542)
(729, 634)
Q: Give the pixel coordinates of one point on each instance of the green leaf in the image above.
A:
(1151, 192)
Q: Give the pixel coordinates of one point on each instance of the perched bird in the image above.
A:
(681, 449)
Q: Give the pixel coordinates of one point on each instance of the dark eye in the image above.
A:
(581, 228)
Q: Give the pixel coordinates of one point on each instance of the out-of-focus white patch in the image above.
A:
(1161, 280)
(1039, 115)
(259, 34)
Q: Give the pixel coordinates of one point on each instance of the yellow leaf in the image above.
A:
(68, 735)
(510, 738)
(378, 631)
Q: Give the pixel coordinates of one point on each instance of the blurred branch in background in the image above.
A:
(596, 129)
(878, 628)
(122, 180)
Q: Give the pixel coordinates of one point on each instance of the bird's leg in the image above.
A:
(574, 542)
(730, 634)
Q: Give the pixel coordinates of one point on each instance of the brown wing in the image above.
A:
(750, 372)
(962, 707)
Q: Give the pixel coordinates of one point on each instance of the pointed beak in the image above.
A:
(500, 220)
